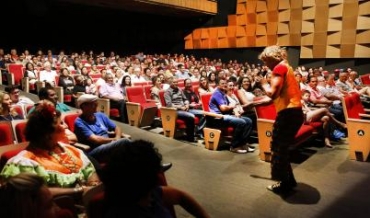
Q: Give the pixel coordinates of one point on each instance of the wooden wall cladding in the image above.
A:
(323, 28)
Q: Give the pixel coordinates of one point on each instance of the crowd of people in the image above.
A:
(235, 87)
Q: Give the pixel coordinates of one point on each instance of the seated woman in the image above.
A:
(212, 79)
(66, 81)
(204, 87)
(31, 73)
(65, 169)
(125, 82)
(138, 194)
(26, 195)
(7, 112)
(233, 100)
(320, 114)
(245, 92)
(154, 91)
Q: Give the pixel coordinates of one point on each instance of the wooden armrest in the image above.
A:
(132, 103)
(81, 146)
(168, 108)
(265, 120)
(206, 113)
(151, 100)
(358, 120)
(364, 115)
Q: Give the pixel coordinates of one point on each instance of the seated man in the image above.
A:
(93, 128)
(174, 97)
(48, 93)
(347, 85)
(17, 98)
(242, 125)
(114, 93)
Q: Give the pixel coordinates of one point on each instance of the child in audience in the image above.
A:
(320, 114)
(90, 87)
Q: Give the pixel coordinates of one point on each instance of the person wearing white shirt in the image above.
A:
(114, 93)
(136, 77)
(48, 75)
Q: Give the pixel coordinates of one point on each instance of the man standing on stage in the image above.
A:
(286, 95)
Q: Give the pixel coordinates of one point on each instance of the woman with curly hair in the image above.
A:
(65, 169)
(286, 95)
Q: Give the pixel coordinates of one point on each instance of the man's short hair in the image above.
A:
(10, 89)
(44, 93)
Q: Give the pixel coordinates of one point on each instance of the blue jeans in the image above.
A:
(242, 129)
(102, 151)
(202, 120)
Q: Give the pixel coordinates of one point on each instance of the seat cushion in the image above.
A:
(114, 112)
(304, 133)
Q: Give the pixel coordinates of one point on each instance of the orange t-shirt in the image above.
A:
(290, 94)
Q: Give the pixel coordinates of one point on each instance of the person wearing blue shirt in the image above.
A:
(96, 129)
(242, 125)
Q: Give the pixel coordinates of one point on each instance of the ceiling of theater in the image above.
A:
(139, 6)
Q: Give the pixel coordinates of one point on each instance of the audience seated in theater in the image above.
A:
(48, 75)
(354, 80)
(125, 82)
(31, 73)
(94, 69)
(328, 89)
(16, 97)
(113, 92)
(182, 73)
(346, 87)
(79, 86)
(63, 167)
(66, 81)
(168, 78)
(136, 76)
(238, 110)
(7, 113)
(191, 96)
(96, 129)
(138, 194)
(298, 77)
(318, 98)
(245, 92)
(320, 114)
(48, 93)
(90, 87)
(154, 91)
(219, 104)
(204, 87)
(212, 79)
(195, 75)
(147, 74)
(26, 195)
(85, 73)
(175, 97)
